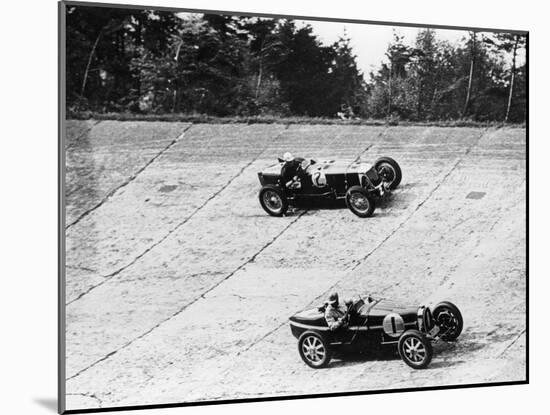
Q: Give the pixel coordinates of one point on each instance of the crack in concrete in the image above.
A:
(175, 228)
(128, 181)
(87, 395)
(202, 295)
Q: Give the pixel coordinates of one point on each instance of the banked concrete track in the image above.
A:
(179, 286)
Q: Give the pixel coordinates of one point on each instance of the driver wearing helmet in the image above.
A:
(292, 171)
(336, 314)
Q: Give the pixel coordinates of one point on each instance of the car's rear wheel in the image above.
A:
(359, 201)
(449, 319)
(273, 200)
(415, 349)
(314, 350)
(389, 171)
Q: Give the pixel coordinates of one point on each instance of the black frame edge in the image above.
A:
(61, 99)
(295, 17)
(292, 397)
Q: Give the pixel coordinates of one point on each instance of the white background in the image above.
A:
(28, 209)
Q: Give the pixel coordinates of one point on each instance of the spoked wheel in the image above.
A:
(449, 319)
(389, 171)
(359, 201)
(314, 350)
(273, 200)
(415, 349)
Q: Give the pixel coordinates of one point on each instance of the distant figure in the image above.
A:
(292, 171)
(146, 101)
(336, 315)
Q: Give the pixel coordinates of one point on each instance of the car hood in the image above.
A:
(384, 307)
(328, 167)
(375, 310)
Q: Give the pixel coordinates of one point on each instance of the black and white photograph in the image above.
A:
(259, 207)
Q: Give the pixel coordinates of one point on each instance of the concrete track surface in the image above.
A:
(179, 286)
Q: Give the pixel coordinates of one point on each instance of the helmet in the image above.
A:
(288, 157)
(333, 299)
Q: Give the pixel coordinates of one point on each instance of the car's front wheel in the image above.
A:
(415, 349)
(314, 350)
(273, 200)
(389, 171)
(359, 201)
(449, 319)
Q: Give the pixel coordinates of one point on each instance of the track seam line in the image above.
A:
(75, 141)
(265, 336)
(512, 342)
(108, 277)
(129, 180)
(190, 303)
(368, 147)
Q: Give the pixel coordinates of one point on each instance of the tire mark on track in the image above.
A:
(175, 228)
(193, 301)
(128, 181)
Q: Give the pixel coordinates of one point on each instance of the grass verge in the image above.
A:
(208, 119)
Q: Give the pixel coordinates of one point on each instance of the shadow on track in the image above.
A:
(351, 358)
(328, 204)
(445, 355)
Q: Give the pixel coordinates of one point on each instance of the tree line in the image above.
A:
(147, 61)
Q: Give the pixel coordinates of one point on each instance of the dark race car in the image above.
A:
(357, 182)
(374, 324)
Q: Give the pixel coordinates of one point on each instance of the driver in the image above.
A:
(292, 171)
(336, 315)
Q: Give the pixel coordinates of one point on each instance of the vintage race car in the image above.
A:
(357, 182)
(373, 324)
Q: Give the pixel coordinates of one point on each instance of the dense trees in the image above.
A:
(124, 60)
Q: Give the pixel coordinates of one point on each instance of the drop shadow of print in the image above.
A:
(48, 403)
